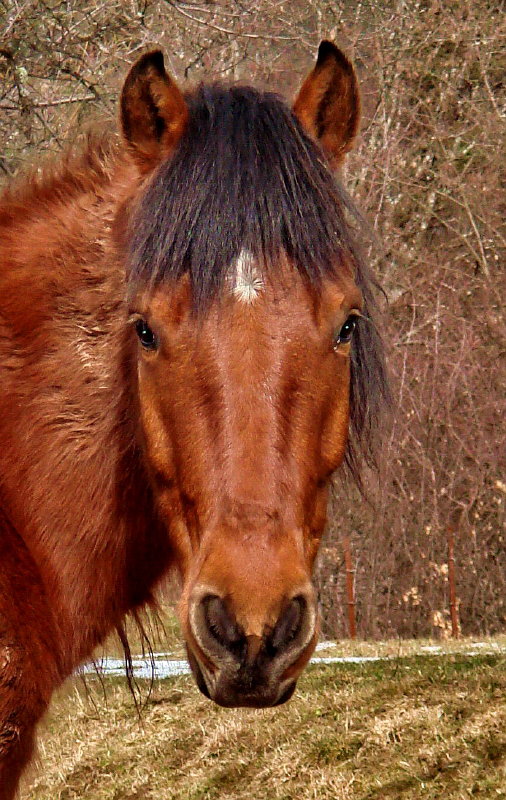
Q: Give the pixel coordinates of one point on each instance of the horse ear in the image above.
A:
(153, 112)
(328, 104)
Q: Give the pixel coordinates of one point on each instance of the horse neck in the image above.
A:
(71, 470)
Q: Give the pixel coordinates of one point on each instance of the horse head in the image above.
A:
(244, 298)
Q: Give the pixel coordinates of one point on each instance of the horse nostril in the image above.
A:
(224, 640)
(221, 624)
(288, 626)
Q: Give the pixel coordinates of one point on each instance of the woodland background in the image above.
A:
(429, 173)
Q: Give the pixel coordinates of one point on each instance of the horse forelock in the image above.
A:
(245, 178)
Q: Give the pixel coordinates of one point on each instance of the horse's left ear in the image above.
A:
(153, 112)
(328, 104)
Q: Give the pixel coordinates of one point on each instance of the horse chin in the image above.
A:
(229, 696)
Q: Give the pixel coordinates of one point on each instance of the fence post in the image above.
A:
(454, 612)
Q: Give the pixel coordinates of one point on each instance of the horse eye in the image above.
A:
(146, 336)
(346, 332)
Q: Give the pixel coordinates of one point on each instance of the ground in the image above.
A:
(410, 726)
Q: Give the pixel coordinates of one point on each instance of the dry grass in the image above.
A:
(412, 727)
(403, 648)
(160, 632)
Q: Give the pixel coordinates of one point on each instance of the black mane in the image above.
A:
(245, 176)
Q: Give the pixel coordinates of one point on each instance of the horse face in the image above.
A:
(245, 415)
(244, 406)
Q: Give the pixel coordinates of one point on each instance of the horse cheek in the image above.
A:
(335, 428)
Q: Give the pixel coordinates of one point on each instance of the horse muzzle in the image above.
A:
(234, 667)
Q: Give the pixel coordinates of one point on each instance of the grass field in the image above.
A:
(408, 727)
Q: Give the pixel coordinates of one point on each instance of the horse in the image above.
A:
(187, 354)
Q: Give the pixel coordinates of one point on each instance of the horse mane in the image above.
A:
(246, 176)
(85, 166)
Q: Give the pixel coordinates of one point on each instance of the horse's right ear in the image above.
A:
(153, 112)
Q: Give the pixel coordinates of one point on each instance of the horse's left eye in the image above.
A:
(346, 332)
(146, 336)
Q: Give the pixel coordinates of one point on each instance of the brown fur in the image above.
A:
(211, 454)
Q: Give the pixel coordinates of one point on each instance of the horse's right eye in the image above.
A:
(146, 336)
